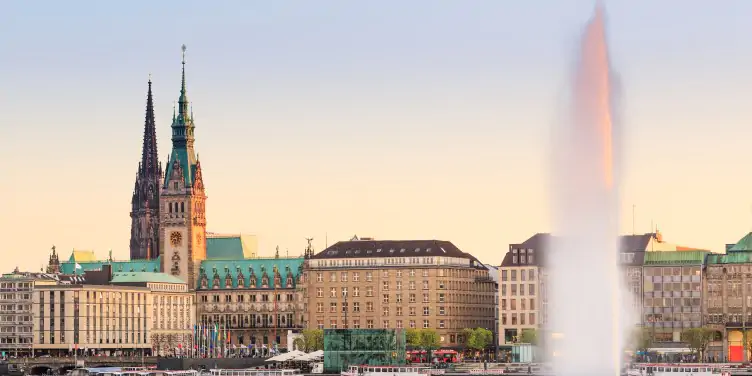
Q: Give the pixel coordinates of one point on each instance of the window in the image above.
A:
(356, 324)
(356, 291)
(441, 297)
(320, 324)
(412, 272)
(344, 292)
(503, 290)
(441, 324)
(385, 274)
(369, 276)
(425, 285)
(412, 285)
(369, 324)
(425, 324)
(399, 311)
(332, 307)
(356, 306)
(319, 307)
(426, 311)
(399, 285)
(514, 275)
(386, 285)
(356, 277)
(441, 311)
(333, 324)
(333, 277)
(412, 298)
(399, 273)
(514, 290)
(531, 289)
(412, 311)
(319, 292)
(503, 275)
(319, 277)
(412, 324)
(425, 298)
(333, 292)
(531, 272)
(425, 272)
(369, 291)
(343, 277)
(399, 324)
(369, 306)
(386, 324)
(385, 311)
(531, 316)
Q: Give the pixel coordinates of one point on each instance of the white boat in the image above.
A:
(676, 369)
(366, 370)
(254, 372)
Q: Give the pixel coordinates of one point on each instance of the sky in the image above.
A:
(388, 119)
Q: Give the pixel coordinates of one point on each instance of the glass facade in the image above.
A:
(346, 347)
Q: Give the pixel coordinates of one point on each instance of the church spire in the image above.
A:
(149, 154)
(145, 200)
(183, 101)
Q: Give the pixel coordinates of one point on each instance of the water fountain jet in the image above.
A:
(584, 284)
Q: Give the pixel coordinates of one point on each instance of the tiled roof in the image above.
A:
(393, 248)
(636, 244)
(675, 258)
(82, 256)
(744, 244)
(140, 277)
(732, 257)
(69, 267)
(246, 268)
(229, 247)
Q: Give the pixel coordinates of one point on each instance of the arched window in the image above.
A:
(170, 204)
(182, 207)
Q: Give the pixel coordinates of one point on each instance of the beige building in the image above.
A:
(139, 312)
(16, 324)
(365, 283)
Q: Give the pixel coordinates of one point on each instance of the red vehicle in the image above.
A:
(437, 356)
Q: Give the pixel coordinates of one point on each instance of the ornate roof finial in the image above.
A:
(149, 77)
(183, 101)
(183, 48)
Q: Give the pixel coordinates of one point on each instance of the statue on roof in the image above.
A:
(276, 254)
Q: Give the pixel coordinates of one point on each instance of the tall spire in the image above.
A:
(183, 101)
(149, 155)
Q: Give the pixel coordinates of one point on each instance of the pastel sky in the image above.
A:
(392, 119)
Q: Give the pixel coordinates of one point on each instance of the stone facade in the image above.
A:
(399, 284)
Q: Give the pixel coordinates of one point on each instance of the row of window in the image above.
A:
(253, 298)
(369, 307)
(525, 304)
(343, 276)
(518, 319)
(370, 324)
(514, 289)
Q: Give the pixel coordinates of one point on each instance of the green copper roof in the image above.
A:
(744, 244)
(221, 269)
(734, 257)
(69, 267)
(675, 257)
(232, 247)
(133, 277)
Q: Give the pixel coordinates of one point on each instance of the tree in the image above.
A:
(313, 339)
(299, 344)
(529, 336)
(698, 339)
(412, 337)
(478, 338)
(429, 339)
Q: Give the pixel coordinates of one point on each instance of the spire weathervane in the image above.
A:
(183, 48)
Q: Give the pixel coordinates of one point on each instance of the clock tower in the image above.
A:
(182, 202)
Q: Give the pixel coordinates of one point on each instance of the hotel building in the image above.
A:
(367, 283)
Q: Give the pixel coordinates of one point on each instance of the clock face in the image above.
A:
(176, 239)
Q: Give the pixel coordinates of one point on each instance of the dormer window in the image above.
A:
(514, 256)
(530, 256)
(523, 259)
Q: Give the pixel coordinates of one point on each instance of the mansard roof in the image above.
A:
(230, 247)
(368, 248)
(153, 265)
(258, 266)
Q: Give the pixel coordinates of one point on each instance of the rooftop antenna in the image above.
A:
(326, 239)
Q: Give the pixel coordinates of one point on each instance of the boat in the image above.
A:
(400, 370)
(677, 369)
(254, 372)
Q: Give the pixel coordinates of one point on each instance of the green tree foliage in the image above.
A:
(529, 336)
(478, 338)
(698, 339)
(313, 339)
(423, 339)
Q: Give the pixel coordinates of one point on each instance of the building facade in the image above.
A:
(672, 293)
(139, 313)
(384, 284)
(144, 242)
(183, 199)
(16, 315)
(727, 307)
(257, 300)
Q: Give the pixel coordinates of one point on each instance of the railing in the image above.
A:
(86, 359)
